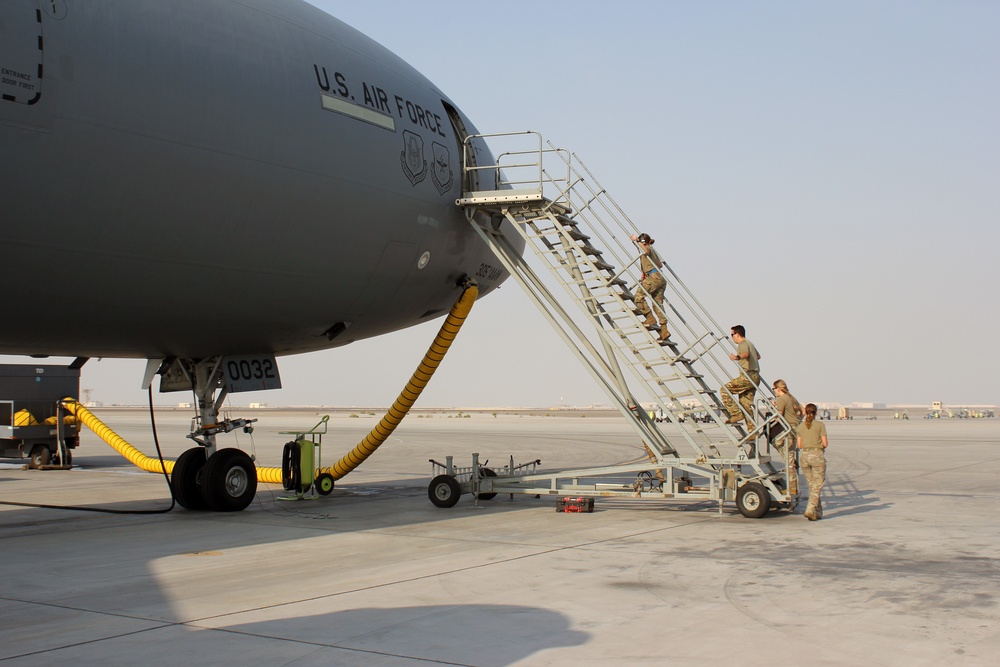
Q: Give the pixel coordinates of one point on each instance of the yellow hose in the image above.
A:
(88, 419)
(432, 359)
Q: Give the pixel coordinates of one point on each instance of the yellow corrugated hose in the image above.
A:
(421, 376)
(88, 419)
(432, 359)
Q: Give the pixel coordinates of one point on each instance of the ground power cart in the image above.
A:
(33, 424)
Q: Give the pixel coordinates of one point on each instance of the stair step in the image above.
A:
(582, 249)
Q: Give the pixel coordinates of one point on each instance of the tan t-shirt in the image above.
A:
(787, 405)
(812, 438)
(749, 364)
(650, 261)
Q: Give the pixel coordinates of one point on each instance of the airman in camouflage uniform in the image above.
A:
(790, 409)
(652, 284)
(812, 442)
(742, 386)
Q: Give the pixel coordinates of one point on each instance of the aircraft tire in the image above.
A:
(487, 472)
(40, 456)
(444, 491)
(753, 500)
(188, 467)
(229, 482)
(324, 483)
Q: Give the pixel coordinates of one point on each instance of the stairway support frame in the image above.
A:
(550, 214)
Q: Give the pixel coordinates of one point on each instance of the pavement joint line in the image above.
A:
(89, 641)
(977, 464)
(969, 496)
(434, 575)
(338, 647)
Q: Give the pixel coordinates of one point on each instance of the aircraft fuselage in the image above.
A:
(206, 177)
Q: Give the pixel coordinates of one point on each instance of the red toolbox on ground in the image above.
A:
(574, 504)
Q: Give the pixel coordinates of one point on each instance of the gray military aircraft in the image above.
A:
(207, 184)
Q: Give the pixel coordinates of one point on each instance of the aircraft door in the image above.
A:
(468, 154)
(20, 52)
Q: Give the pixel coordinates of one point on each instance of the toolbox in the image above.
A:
(574, 505)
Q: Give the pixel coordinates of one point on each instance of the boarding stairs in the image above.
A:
(545, 199)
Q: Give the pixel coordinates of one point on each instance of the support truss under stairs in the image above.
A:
(585, 285)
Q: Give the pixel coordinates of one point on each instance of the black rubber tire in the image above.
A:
(229, 481)
(487, 472)
(41, 455)
(753, 500)
(324, 483)
(185, 478)
(444, 491)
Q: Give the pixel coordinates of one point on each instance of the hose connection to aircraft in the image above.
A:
(421, 376)
(432, 359)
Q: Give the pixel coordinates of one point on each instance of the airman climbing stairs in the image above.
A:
(582, 273)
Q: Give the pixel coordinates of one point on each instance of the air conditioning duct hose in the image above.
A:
(411, 392)
(432, 359)
(103, 431)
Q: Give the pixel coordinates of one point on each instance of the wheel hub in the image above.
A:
(236, 481)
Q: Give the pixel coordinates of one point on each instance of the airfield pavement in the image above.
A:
(903, 570)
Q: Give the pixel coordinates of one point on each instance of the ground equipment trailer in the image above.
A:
(33, 424)
(580, 239)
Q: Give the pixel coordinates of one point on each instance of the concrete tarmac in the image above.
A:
(903, 569)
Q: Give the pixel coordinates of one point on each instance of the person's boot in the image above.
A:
(664, 334)
(649, 322)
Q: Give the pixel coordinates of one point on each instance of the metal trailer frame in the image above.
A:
(683, 479)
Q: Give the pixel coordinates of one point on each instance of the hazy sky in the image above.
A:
(845, 156)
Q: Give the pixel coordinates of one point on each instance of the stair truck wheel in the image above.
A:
(188, 467)
(324, 483)
(40, 456)
(229, 481)
(444, 491)
(487, 472)
(753, 500)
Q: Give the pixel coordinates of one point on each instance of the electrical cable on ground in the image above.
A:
(105, 510)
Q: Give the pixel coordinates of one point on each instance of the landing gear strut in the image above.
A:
(205, 477)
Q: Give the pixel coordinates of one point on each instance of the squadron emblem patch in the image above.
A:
(441, 172)
(412, 157)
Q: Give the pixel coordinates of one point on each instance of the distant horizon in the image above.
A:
(507, 408)
(822, 173)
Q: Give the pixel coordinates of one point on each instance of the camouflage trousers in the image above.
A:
(744, 390)
(814, 466)
(653, 285)
(786, 447)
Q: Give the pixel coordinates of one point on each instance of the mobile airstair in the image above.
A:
(580, 268)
